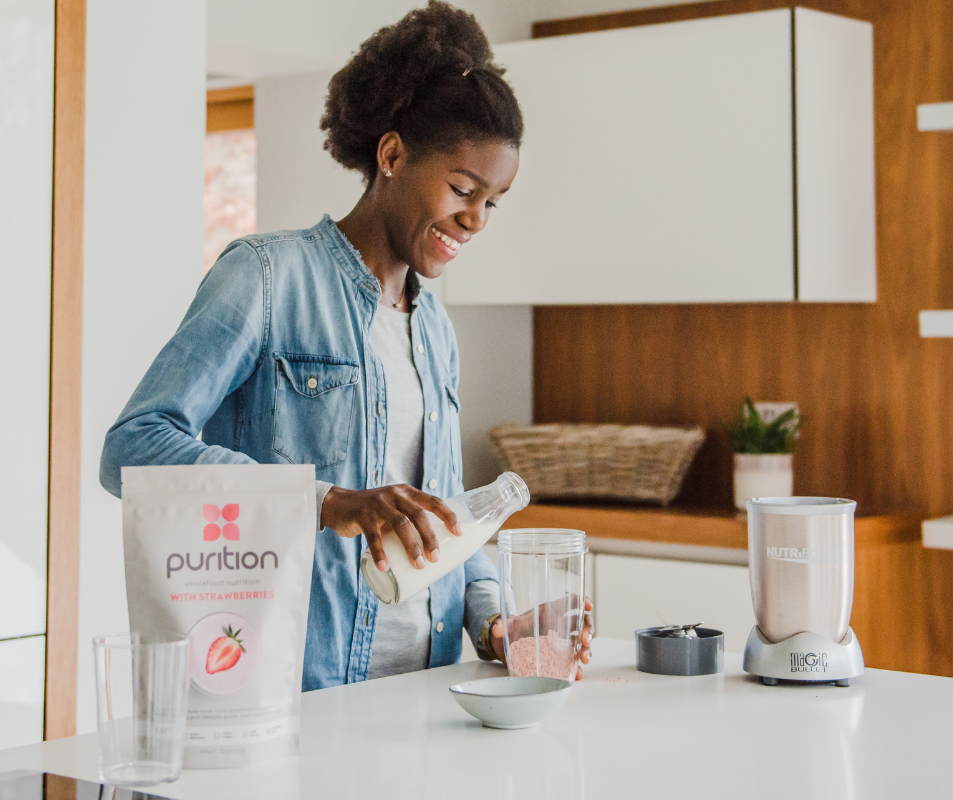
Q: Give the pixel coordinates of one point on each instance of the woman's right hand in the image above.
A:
(400, 508)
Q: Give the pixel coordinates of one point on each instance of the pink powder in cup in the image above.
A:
(557, 657)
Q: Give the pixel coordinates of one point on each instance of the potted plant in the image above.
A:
(763, 439)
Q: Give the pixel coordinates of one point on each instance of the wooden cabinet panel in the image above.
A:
(633, 593)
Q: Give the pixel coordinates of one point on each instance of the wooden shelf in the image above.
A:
(936, 324)
(696, 527)
(230, 109)
(672, 526)
(935, 117)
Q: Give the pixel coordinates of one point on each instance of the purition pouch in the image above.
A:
(224, 553)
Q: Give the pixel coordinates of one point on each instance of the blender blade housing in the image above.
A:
(803, 657)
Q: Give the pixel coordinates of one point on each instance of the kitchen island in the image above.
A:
(622, 733)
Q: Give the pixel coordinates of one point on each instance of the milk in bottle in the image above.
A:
(480, 512)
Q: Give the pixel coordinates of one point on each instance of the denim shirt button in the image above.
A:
(439, 627)
(312, 383)
(432, 483)
(420, 348)
(433, 416)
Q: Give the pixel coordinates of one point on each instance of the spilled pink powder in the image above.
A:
(557, 658)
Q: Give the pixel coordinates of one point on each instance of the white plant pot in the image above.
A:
(762, 476)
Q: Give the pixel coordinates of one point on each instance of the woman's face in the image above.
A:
(436, 202)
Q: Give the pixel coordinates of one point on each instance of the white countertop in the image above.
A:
(622, 733)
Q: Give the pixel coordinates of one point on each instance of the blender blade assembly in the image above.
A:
(803, 657)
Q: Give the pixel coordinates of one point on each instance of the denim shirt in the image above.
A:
(273, 364)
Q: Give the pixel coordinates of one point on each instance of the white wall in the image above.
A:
(26, 171)
(496, 380)
(254, 39)
(298, 182)
(26, 223)
(257, 39)
(22, 673)
(144, 228)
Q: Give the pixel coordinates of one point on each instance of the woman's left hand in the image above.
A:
(582, 653)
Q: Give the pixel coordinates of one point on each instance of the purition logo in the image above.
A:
(212, 514)
(808, 662)
(229, 559)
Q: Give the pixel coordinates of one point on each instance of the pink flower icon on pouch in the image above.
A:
(212, 513)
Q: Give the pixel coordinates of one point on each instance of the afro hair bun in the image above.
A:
(431, 78)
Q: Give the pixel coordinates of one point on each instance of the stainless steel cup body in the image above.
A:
(801, 564)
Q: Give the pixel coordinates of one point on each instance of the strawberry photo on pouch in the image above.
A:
(224, 652)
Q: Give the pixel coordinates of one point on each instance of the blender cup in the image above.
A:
(542, 598)
(801, 562)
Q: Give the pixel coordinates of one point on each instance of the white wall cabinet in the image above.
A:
(632, 593)
(716, 160)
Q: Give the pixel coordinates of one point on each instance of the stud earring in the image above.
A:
(387, 173)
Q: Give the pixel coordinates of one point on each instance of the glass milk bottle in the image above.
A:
(480, 512)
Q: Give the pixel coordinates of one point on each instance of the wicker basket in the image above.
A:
(626, 462)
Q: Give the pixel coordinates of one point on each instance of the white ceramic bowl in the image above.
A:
(511, 703)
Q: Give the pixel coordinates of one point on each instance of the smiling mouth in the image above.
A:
(449, 241)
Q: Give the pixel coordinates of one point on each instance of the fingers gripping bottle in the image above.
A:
(480, 512)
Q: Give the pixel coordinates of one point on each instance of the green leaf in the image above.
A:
(750, 434)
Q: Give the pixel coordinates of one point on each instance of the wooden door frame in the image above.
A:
(66, 354)
(228, 109)
(231, 109)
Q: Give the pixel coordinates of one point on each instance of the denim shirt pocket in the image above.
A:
(314, 404)
(456, 449)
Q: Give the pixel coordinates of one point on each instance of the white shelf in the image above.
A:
(935, 117)
(936, 324)
(938, 533)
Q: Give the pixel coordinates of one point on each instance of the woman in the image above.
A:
(320, 346)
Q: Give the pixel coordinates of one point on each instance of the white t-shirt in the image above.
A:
(402, 634)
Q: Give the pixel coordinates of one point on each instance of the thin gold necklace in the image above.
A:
(400, 300)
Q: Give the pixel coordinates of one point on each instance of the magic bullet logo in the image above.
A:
(808, 662)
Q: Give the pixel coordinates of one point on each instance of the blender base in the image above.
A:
(803, 657)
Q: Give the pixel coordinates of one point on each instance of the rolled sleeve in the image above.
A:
(482, 601)
(322, 489)
(213, 352)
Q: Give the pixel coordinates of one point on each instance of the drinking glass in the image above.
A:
(142, 690)
(542, 598)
